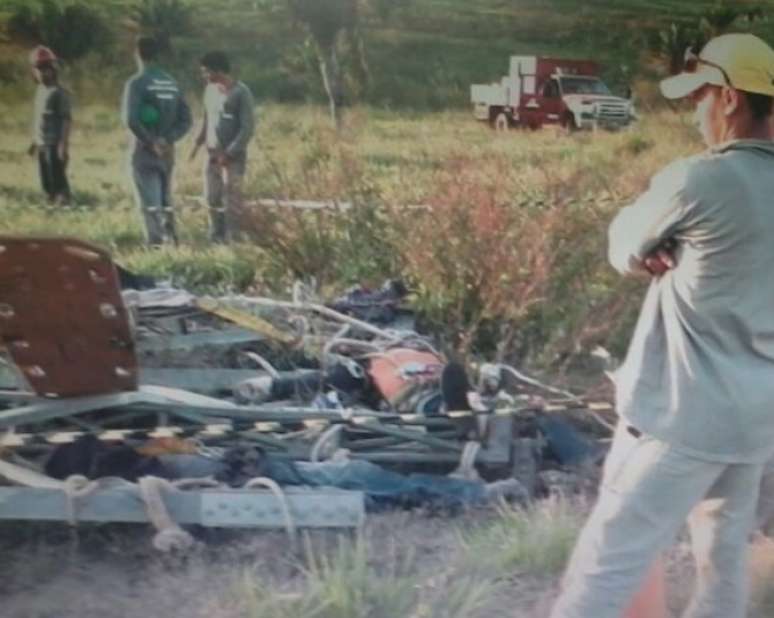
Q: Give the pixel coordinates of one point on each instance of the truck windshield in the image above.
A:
(583, 85)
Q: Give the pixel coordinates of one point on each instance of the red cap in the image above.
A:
(42, 55)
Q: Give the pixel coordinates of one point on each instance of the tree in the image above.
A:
(673, 43)
(723, 16)
(162, 19)
(70, 28)
(331, 23)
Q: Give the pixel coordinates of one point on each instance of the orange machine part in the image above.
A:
(392, 371)
(62, 319)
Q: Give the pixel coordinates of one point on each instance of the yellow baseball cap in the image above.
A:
(741, 61)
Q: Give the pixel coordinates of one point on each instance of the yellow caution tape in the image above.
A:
(217, 429)
(165, 432)
(315, 423)
(245, 320)
(459, 413)
(601, 405)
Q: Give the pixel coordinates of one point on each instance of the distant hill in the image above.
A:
(424, 54)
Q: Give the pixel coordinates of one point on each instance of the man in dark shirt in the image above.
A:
(226, 131)
(157, 116)
(50, 127)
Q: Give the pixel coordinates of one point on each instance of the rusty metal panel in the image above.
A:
(62, 318)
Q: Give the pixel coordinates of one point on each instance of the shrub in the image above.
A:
(474, 256)
(71, 29)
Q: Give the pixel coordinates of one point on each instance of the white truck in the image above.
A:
(542, 91)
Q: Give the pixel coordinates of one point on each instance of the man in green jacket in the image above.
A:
(156, 114)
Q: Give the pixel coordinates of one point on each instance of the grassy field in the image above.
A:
(475, 565)
(509, 245)
(479, 564)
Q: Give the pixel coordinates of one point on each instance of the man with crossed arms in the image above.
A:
(696, 391)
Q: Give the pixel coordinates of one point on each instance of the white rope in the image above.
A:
(353, 343)
(533, 382)
(301, 324)
(328, 435)
(404, 338)
(290, 526)
(267, 366)
(170, 535)
(76, 487)
(467, 467)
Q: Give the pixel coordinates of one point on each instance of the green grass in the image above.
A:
(534, 541)
(381, 162)
(360, 577)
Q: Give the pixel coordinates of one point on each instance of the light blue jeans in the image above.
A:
(152, 182)
(648, 490)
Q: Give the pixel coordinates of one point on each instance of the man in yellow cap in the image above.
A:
(696, 391)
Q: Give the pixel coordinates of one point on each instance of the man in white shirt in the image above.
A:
(227, 129)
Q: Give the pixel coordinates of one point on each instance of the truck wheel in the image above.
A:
(502, 123)
(568, 123)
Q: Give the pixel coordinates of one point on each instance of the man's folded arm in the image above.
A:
(650, 222)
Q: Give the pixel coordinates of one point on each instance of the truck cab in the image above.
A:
(542, 91)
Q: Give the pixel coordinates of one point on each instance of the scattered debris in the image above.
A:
(251, 411)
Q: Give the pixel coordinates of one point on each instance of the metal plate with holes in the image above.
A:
(315, 508)
(62, 318)
(308, 508)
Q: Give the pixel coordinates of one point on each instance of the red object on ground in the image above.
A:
(400, 368)
(650, 600)
(62, 318)
(42, 55)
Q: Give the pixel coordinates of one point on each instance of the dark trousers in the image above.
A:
(53, 173)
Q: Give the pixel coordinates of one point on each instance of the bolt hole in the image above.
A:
(85, 254)
(96, 277)
(35, 371)
(108, 310)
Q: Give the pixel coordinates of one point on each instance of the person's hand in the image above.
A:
(221, 158)
(62, 152)
(32, 150)
(161, 147)
(659, 261)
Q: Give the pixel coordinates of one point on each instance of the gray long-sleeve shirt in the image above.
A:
(51, 113)
(154, 108)
(699, 373)
(233, 114)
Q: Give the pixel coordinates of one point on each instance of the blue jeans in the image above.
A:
(383, 488)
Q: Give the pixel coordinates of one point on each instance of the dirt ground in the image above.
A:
(111, 571)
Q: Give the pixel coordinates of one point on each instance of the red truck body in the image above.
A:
(541, 91)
